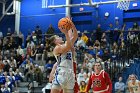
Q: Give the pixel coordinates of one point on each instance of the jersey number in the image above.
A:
(69, 57)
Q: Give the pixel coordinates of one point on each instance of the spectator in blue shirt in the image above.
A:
(119, 86)
(27, 58)
(49, 66)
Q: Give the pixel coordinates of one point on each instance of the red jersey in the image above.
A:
(101, 83)
(76, 87)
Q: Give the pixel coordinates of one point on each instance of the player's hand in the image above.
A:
(70, 18)
(63, 30)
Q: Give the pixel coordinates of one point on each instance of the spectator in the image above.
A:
(28, 58)
(40, 52)
(110, 34)
(29, 71)
(50, 30)
(119, 86)
(97, 44)
(117, 26)
(20, 51)
(13, 63)
(18, 76)
(104, 40)
(98, 33)
(30, 44)
(106, 55)
(124, 28)
(49, 66)
(19, 59)
(135, 26)
(21, 39)
(38, 74)
(83, 87)
(80, 44)
(38, 32)
(33, 52)
(134, 84)
(9, 32)
(6, 67)
(28, 39)
(5, 89)
(81, 76)
(34, 37)
(84, 38)
(86, 64)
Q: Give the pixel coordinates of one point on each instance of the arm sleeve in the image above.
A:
(89, 84)
(108, 80)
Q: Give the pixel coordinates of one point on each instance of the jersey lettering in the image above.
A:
(97, 82)
(68, 56)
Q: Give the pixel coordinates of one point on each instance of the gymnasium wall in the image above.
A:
(8, 21)
(84, 20)
(32, 14)
(97, 15)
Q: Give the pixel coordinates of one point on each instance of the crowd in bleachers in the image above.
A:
(17, 63)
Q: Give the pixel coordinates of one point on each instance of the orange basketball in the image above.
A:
(64, 23)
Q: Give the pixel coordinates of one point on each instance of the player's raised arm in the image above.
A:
(73, 33)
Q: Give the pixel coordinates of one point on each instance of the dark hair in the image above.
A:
(83, 86)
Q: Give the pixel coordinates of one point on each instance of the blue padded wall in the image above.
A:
(33, 14)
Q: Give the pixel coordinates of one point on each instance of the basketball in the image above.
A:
(64, 23)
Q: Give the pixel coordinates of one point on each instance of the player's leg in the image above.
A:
(69, 87)
(68, 91)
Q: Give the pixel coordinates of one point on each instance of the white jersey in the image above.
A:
(135, 87)
(65, 60)
(64, 75)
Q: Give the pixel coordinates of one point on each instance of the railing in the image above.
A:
(122, 58)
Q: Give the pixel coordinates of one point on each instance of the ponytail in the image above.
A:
(51, 42)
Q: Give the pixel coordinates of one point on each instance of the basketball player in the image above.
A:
(100, 80)
(76, 87)
(134, 84)
(64, 74)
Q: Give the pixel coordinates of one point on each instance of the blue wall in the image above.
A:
(98, 14)
(7, 21)
(33, 14)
